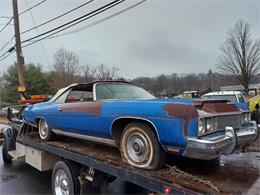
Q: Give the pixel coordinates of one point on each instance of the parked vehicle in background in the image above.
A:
(3, 111)
(189, 95)
(123, 115)
(236, 97)
(253, 101)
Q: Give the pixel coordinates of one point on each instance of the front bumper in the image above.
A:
(212, 146)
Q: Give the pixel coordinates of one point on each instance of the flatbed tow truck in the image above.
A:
(90, 167)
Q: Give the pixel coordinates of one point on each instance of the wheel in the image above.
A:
(65, 178)
(44, 131)
(140, 148)
(6, 157)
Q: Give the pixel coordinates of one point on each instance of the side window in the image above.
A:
(241, 98)
(62, 98)
(79, 96)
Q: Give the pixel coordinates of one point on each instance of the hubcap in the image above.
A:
(43, 129)
(137, 147)
(61, 184)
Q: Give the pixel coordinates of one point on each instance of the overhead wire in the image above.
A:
(99, 21)
(5, 17)
(7, 43)
(82, 18)
(9, 22)
(57, 17)
(30, 8)
(1, 59)
(11, 18)
(43, 48)
(4, 54)
(48, 21)
(37, 40)
(105, 7)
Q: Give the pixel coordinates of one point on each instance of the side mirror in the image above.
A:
(9, 114)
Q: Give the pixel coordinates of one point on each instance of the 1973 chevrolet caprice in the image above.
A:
(144, 128)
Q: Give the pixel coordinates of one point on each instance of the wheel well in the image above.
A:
(37, 121)
(119, 125)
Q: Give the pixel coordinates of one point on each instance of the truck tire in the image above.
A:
(6, 157)
(140, 147)
(65, 178)
(45, 132)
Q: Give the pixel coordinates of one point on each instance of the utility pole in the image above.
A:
(19, 54)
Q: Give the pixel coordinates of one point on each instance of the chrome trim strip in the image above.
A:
(203, 114)
(86, 137)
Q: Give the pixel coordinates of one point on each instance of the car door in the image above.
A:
(79, 113)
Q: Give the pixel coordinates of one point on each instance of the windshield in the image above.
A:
(120, 91)
(231, 98)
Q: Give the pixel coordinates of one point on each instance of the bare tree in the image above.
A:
(240, 57)
(66, 67)
(104, 72)
(101, 72)
(88, 74)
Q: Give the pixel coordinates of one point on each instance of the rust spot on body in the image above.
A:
(88, 107)
(219, 107)
(215, 106)
(182, 111)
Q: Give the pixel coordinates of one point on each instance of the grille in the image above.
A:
(221, 122)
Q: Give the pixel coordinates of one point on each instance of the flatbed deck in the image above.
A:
(234, 174)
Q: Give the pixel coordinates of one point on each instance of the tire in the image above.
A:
(140, 147)
(65, 178)
(45, 132)
(6, 157)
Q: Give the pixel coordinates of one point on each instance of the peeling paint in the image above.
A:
(88, 107)
(216, 106)
(182, 111)
(219, 107)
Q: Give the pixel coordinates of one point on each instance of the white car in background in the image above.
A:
(232, 96)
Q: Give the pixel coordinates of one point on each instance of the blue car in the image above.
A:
(144, 128)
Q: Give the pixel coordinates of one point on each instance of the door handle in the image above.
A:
(60, 109)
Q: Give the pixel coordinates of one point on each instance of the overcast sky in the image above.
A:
(158, 36)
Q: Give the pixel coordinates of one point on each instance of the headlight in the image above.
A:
(202, 128)
(210, 124)
(247, 117)
(242, 119)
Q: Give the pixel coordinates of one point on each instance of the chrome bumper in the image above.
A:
(212, 146)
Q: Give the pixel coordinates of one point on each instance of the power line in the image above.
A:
(43, 48)
(99, 21)
(11, 18)
(1, 59)
(57, 17)
(4, 54)
(93, 24)
(5, 17)
(75, 20)
(72, 24)
(30, 8)
(7, 43)
(99, 10)
(35, 27)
